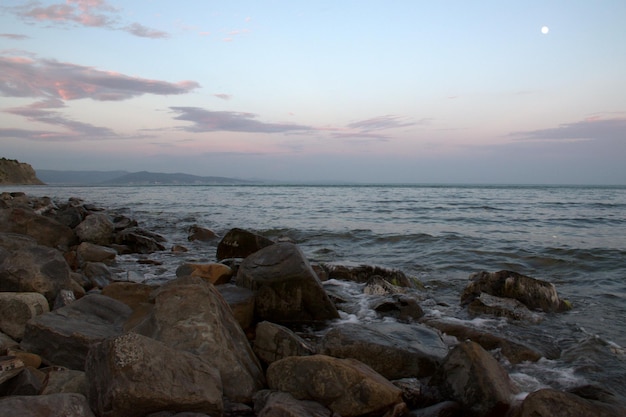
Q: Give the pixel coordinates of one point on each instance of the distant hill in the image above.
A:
(53, 177)
(13, 172)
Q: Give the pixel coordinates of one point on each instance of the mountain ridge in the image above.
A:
(57, 177)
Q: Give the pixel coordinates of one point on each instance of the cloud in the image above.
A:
(14, 36)
(87, 13)
(593, 128)
(371, 129)
(223, 96)
(25, 77)
(215, 121)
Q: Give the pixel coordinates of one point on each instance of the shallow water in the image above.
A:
(574, 237)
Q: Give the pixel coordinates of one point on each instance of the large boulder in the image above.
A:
(15, 241)
(133, 375)
(502, 307)
(394, 350)
(346, 386)
(269, 403)
(138, 240)
(366, 273)
(286, 287)
(215, 273)
(241, 302)
(274, 342)
(190, 314)
(35, 269)
(90, 252)
(97, 228)
(472, 377)
(239, 243)
(550, 402)
(44, 230)
(533, 293)
(17, 308)
(65, 405)
(63, 336)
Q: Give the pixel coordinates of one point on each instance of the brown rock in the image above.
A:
(97, 228)
(502, 307)
(133, 375)
(17, 308)
(62, 380)
(366, 273)
(239, 243)
(270, 403)
(200, 233)
(241, 302)
(90, 252)
(27, 382)
(346, 386)
(287, 290)
(45, 231)
(28, 358)
(549, 403)
(214, 273)
(274, 342)
(65, 405)
(138, 240)
(130, 293)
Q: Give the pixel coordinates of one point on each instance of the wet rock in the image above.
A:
(17, 308)
(377, 285)
(394, 350)
(138, 240)
(270, 403)
(515, 352)
(215, 273)
(62, 380)
(402, 307)
(35, 269)
(549, 402)
(66, 405)
(241, 302)
(135, 375)
(239, 243)
(97, 228)
(200, 233)
(286, 288)
(98, 274)
(502, 307)
(345, 386)
(365, 273)
(417, 394)
(472, 377)
(190, 314)
(533, 293)
(64, 336)
(90, 252)
(274, 342)
(45, 231)
(179, 249)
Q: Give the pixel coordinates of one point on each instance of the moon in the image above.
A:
(545, 30)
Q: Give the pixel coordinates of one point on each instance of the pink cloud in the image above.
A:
(14, 36)
(591, 128)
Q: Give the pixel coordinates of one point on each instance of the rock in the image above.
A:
(345, 386)
(394, 350)
(274, 342)
(27, 358)
(70, 215)
(515, 352)
(35, 269)
(133, 375)
(443, 409)
(64, 298)
(45, 231)
(239, 243)
(13, 172)
(402, 307)
(200, 233)
(16, 308)
(377, 285)
(190, 314)
(98, 274)
(214, 273)
(549, 402)
(138, 240)
(179, 249)
(270, 403)
(286, 288)
(472, 377)
(365, 273)
(15, 241)
(502, 307)
(130, 293)
(10, 366)
(63, 380)
(241, 302)
(65, 405)
(417, 394)
(64, 336)
(27, 382)
(97, 228)
(535, 294)
(6, 342)
(90, 252)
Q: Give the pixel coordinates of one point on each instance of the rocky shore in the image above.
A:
(258, 332)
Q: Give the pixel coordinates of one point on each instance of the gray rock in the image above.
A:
(274, 342)
(97, 228)
(17, 308)
(239, 243)
(64, 336)
(62, 380)
(395, 350)
(45, 231)
(133, 375)
(287, 289)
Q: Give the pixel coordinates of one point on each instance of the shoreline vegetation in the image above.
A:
(260, 331)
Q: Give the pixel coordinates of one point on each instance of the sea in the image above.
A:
(571, 236)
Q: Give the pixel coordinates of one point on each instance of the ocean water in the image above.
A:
(574, 237)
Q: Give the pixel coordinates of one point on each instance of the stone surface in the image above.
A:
(200, 233)
(13, 172)
(533, 293)
(215, 273)
(394, 350)
(241, 302)
(138, 240)
(62, 405)
(35, 269)
(64, 336)
(402, 307)
(62, 380)
(17, 308)
(473, 378)
(133, 375)
(90, 252)
(6, 342)
(274, 342)
(97, 228)
(15, 241)
(97, 274)
(28, 382)
(443, 409)
(287, 290)
(549, 403)
(190, 314)
(365, 273)
(273, 404)
(44, 230)
(502, 307)
(239, 243)
(132, 294)
(345, 386)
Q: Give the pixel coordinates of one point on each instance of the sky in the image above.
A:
(522, 92)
